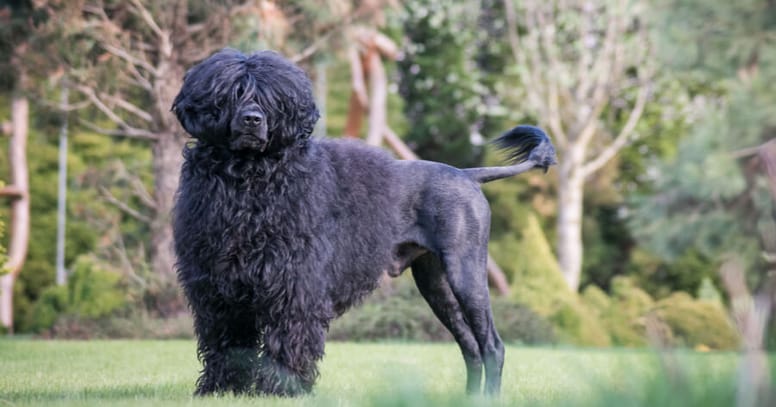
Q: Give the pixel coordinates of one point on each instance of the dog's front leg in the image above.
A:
(228, 348)
(290, 352)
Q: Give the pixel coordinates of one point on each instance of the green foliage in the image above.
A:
(538, 283)
(17, 25)
(93, 225)
(403, 314)
(696, 322)
(715, 38)
(708, 292)
(608, 245)
(704, 200)
(660, 277)
(685, 321)
(90, 293)
(438, 83)
(710, 197)
(623, 313)
(400, 314)
(494, 58)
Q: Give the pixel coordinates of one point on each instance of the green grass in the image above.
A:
(394, 374)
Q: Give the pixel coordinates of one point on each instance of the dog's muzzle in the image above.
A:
(249, 131)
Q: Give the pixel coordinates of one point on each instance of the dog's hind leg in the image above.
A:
(467, 275)
(432, 284)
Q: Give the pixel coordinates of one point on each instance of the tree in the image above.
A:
(585, 74)
(126, 61)
(716, 195)
(18, 22)
(438, 81)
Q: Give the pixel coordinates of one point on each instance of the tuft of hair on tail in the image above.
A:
(528, 147)
(520, 141)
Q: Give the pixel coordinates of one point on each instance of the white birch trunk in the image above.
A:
(569, 224)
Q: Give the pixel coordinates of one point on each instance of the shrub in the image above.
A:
(696, 322)
(403, 314)
(90, 293)
(137, 325)
(517, 323)
(398, 314)
(680, 319)
(538, 283)
(622, 313)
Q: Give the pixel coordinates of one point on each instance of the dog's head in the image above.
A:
(256, 103)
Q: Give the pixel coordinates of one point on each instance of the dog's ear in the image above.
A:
(202, 105)
(200, 120)
(304, 114)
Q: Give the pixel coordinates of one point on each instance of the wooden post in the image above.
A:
(18, 192)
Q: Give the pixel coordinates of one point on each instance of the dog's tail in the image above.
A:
(528, 148)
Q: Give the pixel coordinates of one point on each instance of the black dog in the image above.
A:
(277, 234)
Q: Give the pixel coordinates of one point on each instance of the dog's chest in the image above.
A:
(254, 223)
(257, 216)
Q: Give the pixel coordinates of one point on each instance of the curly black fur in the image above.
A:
(277, 234)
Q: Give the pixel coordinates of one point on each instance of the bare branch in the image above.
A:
(146, 16)
(586, 57)
(357, 77)
(767, 155)
(129, 107)
(140, 80)
(125, 128)
(129, 269)
(398, 146)
(590, 122)
(750, 151)
(553, 111)
(126, 56)
(532, 78)
(70, 107)
(312, 48)
(377, 104)
(329, 31)
(497, 277)
(123, 206)
(625, 133)
(12, 191)
(128, 132)
(601, 74)
(142, 193)
(592, 81)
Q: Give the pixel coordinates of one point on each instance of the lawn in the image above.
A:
(383, 374)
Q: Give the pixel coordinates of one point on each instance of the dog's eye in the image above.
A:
(239, 91)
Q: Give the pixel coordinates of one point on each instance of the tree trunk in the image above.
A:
(570, 193)
(20, 207)
(167, 161)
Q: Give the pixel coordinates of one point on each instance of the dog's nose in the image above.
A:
(252, 119)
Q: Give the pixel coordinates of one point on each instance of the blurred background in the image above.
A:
(656, 228)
